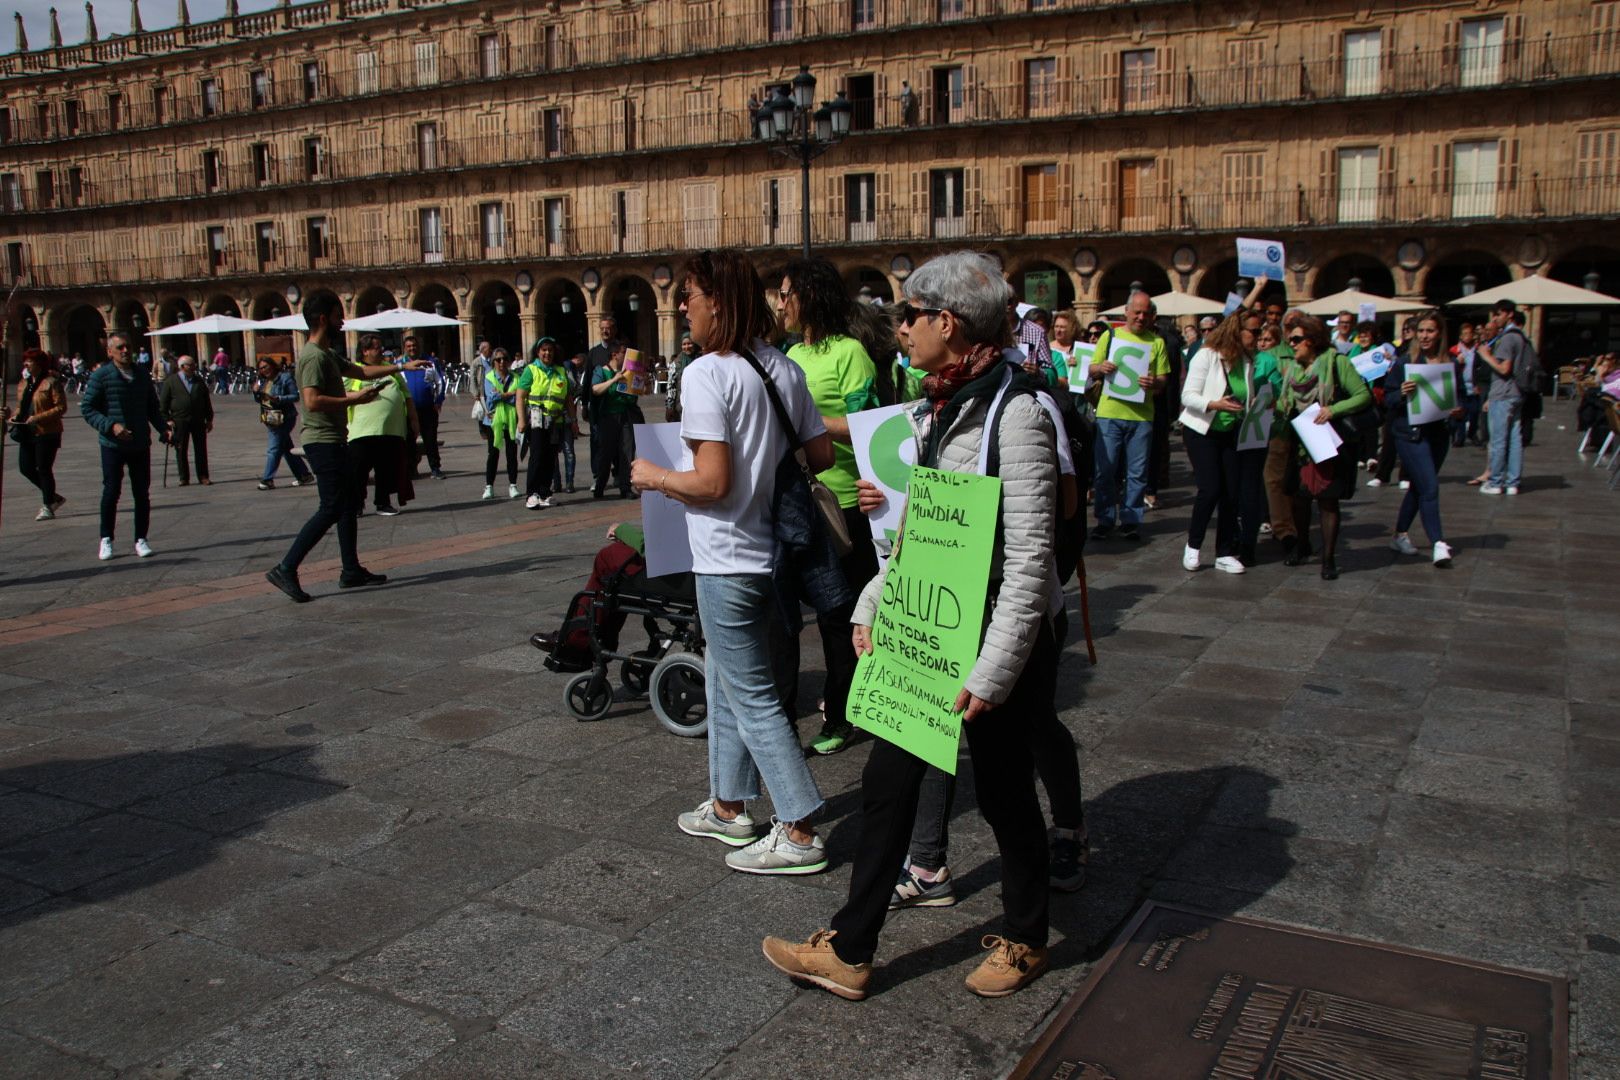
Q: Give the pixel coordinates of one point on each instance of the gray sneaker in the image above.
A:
(913, 891)
(705, 822)
(776, 853)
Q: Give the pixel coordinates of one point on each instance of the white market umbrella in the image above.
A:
(1352, 299)
(283, 322)
(399, 319)
(208, 324)
(1174, 304)
(1537, 291)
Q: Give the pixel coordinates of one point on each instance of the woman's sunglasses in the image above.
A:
(1296, 339)
(910, 314)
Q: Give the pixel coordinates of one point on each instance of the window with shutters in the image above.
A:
(318, 238)
(860, 206)
(1480, 57)
(551, 46)
(311, 80)
(950, 95)
(1358, 183)
(554, 215)
(1605, 36)
(947, 189)
(11, 195)
(1474, 178)
(45, 189)
(367, 73)
(489, 56)
(1137, 188)
(427, 63)
(1246, 71)
(492, 228)
(115, 111)
(212, 101)
(629, 224)
(169, 243)
(862, 14)
(218, 257)
(780, 199)
(371, 229)
(1041, 5)
(430, 230)
(15, 261)
(1363, 62)
(160, 104)
(75, 186)
(626, 108)
(1040, 86)
(1138, 78)
(1243, 186)
(264, 243)
(315, 158)
(779, 16)
(491, 131)
(259, 89)
(259, 156)
(551, 133)
(368, 140)
(6, 129)
(701, 117)
(1040, 197)
(1597, 158)
(700, 209)
(213, 170)
(427, 145)
(952, 9)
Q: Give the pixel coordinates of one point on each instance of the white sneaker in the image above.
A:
(512, 491)
(776, 853)
(1265, 528)
(143, 550)
(1402, 543)
(106, 549)
(1230, 564)
(1375, 482)
(532, 503)
(1490, 489)
(1405, 484)
(45, 514)
(1513, 489)
(1442, 554)
(1189, 558)
(489, 492)
(545, 504)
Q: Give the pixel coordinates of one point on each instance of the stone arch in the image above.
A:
(561, 305)
(1570, 333)
(269, 305)
(1063, 296)
(1354, 270)
(130, 316)
(170, 311)
(633, 303)
(494, 309)
(23, 331)
(879, 286)
(1120, 279)
(372, 299)
(79, 329)
(1446, 278)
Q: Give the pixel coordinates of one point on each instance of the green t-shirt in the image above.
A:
(322, 368)
(1111, 408)
(615, 400)
(842, 380)
(387, 415)
(1238, 389)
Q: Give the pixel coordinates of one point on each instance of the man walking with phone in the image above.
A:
(321, 371)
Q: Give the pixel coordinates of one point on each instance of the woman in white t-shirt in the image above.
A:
(734, 443)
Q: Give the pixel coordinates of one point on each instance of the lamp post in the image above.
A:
(796, 129)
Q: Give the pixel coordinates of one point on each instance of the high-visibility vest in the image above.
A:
(547, 388)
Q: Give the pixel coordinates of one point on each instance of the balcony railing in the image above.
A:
(1532, 199)
(1318, 73)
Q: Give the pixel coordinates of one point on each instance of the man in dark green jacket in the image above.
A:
(189, 408)
(120, 403)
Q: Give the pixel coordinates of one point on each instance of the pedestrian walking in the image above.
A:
(188, 409)
(498, 424)
(543, 397)
(1422, 447)
(379, 430)
(277, 395)
(427, 388)
(36, 427)
(122, 405)
(615, 405)
(1125, 428)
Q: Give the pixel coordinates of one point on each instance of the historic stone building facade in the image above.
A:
(529, 167)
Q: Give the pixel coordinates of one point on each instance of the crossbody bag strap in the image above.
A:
(780, 410)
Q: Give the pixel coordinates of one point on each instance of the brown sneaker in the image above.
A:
(1009, 968)
(815, 962)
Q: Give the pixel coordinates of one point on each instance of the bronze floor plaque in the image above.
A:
(1185, 995)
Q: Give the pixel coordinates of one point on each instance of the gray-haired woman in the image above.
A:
(955, 312)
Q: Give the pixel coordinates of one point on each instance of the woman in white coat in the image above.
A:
(1220, 383)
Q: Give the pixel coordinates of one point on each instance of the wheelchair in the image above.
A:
(669, 670)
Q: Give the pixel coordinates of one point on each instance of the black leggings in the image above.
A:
(494, 458)
(36, 459)
(1215, 468)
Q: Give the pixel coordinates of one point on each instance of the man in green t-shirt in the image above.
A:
(321, 371)
(615, 412)
(1132, 363)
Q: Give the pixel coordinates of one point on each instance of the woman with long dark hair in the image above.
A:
(1422, 447)
(37, 428)
(734, 443)
(813, 303)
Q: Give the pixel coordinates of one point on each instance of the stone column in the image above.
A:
(468, 343)
(668, 336)
(530, 331)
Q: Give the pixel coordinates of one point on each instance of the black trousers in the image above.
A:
(36, 460)
(837, 646)
(189, 434)
(1001, 745)
(493, 459)
(338, 484)
(1215, 469)
(612, 431)
(542, 461)
(427, 417)
(1252, 505)
(136, 459)
(379, 457)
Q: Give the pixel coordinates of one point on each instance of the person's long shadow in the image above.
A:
(1107, 606)
(87, 830)
(1143, 832)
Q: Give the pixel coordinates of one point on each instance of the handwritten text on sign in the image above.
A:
(925, 638)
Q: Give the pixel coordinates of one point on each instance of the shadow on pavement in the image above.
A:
(1106, 604)
(89, 829)
(123, 560)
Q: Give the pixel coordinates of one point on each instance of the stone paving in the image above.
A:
(361, 837)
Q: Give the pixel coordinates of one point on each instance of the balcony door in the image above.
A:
(1363, 57)
(1136, 187)
(1473, 178)
(1358, 184)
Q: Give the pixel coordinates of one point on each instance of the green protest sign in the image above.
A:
(1255, 429)
(925, 638)
(1436, 393)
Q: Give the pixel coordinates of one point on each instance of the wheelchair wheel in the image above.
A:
(587, 696)
(636, 671)
(678, 695)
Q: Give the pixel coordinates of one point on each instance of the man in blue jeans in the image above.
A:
(321, 371)
(1513, 364)
(1125, 417)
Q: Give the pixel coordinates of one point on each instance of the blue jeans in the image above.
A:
(1130, 441)
(1507, 443)
(749, 734)
(280, 445)
(1468, 426)
(1420, 463)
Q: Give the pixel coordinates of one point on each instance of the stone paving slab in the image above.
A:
(361, 837)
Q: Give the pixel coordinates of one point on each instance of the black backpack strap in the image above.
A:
(779, 408)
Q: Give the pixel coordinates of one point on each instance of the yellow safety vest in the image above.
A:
(548, 388)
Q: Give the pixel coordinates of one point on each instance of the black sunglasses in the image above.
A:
(1296, 339)
(910, 313)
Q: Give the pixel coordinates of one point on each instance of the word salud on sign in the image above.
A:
(930, 616)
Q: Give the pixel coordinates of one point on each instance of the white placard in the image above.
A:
(1436, 393)
(1080, 365)
(669, 547)
(1367, 313)
(1373, 364)
(885, 450)
(1234, 300)
(1257, 257)
(1131, 360)
(1254, 426)
(1321, 441)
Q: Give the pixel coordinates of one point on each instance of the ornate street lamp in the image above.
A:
(796, 129)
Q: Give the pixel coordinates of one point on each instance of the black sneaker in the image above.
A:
(267, 485)
(1131, 533)
(1102, 532)
(1067, 865)
(287, 582)
(360, 580)
(438, 474)
(388, 511)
